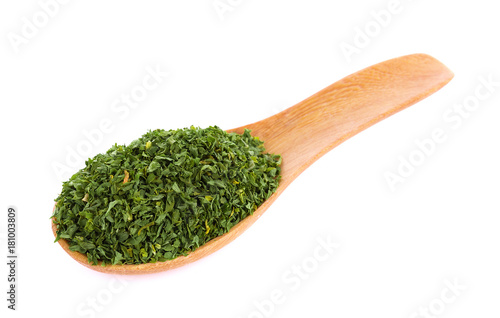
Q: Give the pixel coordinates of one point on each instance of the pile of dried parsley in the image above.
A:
(164, 195)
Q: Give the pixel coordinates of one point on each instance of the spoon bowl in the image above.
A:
(305, 132)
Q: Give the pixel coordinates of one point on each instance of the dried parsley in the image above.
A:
(164, 195)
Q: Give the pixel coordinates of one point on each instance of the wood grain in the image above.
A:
(305, 132)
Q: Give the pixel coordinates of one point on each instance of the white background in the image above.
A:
(400, 247)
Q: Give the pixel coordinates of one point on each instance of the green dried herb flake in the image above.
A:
(164, 195)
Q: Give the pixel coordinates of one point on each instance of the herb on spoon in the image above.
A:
(164, 195)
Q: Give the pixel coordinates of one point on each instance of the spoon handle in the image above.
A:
(305, 132)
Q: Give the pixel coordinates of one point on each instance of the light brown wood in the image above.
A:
(308, 130)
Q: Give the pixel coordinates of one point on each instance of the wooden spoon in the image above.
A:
(308, 130)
